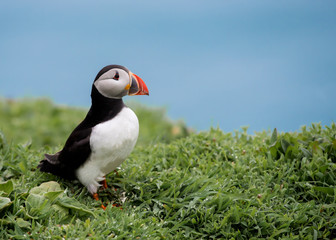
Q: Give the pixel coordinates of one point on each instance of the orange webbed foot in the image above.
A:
(104, 184)
(96, 197)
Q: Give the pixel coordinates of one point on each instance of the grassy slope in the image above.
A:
(41, 123)
(206, 185)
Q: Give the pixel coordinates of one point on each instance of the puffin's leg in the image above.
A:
(95, 196)
(104, 184)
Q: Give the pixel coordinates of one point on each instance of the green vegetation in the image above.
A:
(40, 123)
(175, 184)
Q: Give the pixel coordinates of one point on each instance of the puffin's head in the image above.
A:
(115, 81)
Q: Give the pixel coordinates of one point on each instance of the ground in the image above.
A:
(177, 183)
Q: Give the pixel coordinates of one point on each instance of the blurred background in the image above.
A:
(262, 64)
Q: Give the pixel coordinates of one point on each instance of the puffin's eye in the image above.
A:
(116, 76)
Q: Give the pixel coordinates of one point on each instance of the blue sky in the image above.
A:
(222, 63)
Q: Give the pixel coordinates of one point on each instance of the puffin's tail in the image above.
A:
(50, 164)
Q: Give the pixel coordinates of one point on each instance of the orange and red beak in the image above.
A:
(138, 86)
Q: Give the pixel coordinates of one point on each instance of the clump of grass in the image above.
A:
(207, 185)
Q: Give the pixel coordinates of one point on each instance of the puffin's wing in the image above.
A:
(75, 152)
(52, 158)
(76, 149)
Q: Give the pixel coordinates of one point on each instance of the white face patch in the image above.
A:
(112, 84)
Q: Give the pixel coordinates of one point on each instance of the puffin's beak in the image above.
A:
(138, 86)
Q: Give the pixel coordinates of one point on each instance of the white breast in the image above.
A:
(111, 142)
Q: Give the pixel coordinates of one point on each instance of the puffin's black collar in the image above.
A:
(103, 108)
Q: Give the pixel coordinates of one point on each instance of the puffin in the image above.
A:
(106, 136)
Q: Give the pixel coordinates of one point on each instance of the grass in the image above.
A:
(41, 123)
(175, 185)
